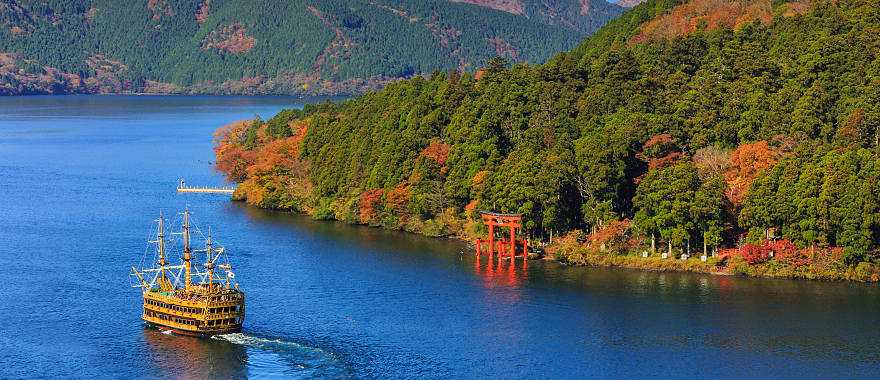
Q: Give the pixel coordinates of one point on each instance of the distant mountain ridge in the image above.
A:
(267, 47)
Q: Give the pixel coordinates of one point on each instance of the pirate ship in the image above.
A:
(182, 300)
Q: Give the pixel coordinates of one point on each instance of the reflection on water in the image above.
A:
(195, 358)
(500, 273)
(234, 356)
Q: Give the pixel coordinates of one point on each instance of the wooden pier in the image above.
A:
(183, 188)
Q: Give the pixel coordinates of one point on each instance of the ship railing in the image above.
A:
(178, 313)
(223, 316)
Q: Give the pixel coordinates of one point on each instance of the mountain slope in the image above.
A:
(734, 131)
(580, 15)
(628, 3)
(262, 46)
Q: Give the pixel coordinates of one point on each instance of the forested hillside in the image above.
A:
(277, 47)
(677, 127)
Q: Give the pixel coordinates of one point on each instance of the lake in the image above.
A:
(83, 178)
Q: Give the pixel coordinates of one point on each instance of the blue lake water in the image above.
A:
(82, 178)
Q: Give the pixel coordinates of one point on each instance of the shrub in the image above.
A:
(785, 251)
(827, 257)
(754, 254)
(324, 210)
(611, 237)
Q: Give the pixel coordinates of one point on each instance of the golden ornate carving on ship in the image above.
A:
(211, 305)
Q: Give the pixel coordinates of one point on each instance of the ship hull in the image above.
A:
(199, 334)
(216, 312)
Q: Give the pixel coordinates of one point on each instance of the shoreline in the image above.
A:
(734, 266)
(581, 256)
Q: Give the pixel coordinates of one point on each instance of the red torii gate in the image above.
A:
(511, 221)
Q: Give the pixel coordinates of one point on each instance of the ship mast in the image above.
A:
(209, 264)
(187, 251)
(163, 280)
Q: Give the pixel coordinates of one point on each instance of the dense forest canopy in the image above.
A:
(766, 127)
(262, 46)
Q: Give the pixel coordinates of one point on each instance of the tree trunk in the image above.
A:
(653, 244)
(669, 252)
(705, 248)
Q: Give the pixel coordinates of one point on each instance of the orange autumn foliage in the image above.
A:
(398, 198)
(367, 205)
(271, 174)
(666, 160)
(661, 141)
(479, 178)
(279, 154)
(661, 151)
(471, 206)
(612, 236)
(437, 151)
(746, 162)
(232, 159)
(713, 14)
(688, 17)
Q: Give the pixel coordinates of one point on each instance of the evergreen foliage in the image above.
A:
(721, 136)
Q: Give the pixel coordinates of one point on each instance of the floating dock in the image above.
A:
(183, 188)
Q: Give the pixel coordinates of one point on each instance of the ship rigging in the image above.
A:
(186, 300)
